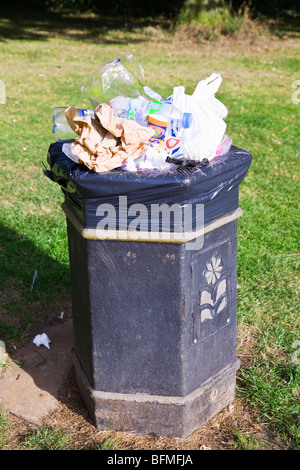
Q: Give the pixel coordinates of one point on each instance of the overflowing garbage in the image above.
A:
(132, 127)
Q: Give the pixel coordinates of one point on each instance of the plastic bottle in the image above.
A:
(131, 108)
(173, 139)
(139, 108)
(61, 129)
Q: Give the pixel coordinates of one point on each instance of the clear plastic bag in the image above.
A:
(224, 146)
(119, 77)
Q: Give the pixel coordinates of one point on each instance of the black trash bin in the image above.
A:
(154, 317)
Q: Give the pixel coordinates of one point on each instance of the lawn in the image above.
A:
(44, 63)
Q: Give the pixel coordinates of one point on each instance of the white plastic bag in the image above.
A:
(204, 136)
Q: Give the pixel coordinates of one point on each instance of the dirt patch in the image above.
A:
(234, 427)
(219, 433)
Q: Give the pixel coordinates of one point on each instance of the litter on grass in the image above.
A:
(42, 340)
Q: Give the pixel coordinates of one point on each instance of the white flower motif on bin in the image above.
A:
(213, 270)
(214, 300)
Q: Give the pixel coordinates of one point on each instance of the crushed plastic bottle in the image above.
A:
(61, 129)
(136, 109)
(139, 108)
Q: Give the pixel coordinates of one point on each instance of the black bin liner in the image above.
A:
(215, 186)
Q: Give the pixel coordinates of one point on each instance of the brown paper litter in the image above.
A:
(107, 141)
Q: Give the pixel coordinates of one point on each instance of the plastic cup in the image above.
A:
(159, 124)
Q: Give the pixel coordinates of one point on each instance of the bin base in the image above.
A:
(157, 415)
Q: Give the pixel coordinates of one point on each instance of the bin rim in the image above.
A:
(77, 178)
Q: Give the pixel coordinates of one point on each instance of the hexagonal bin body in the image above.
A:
(155, 321)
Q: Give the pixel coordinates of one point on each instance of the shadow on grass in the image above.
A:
(285, 27)
(24, 304)
(42, 25)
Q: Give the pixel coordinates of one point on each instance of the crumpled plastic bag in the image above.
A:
(120, 76)
(205, 134)
(152, 160)
(106, 141)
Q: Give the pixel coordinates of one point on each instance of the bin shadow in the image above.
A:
(37, 372)
(33, 285)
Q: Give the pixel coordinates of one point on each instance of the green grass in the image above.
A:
(213, 22)
(272, 388)
(44, 64)
(4, 429)
(245, 441)
(47, 439)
